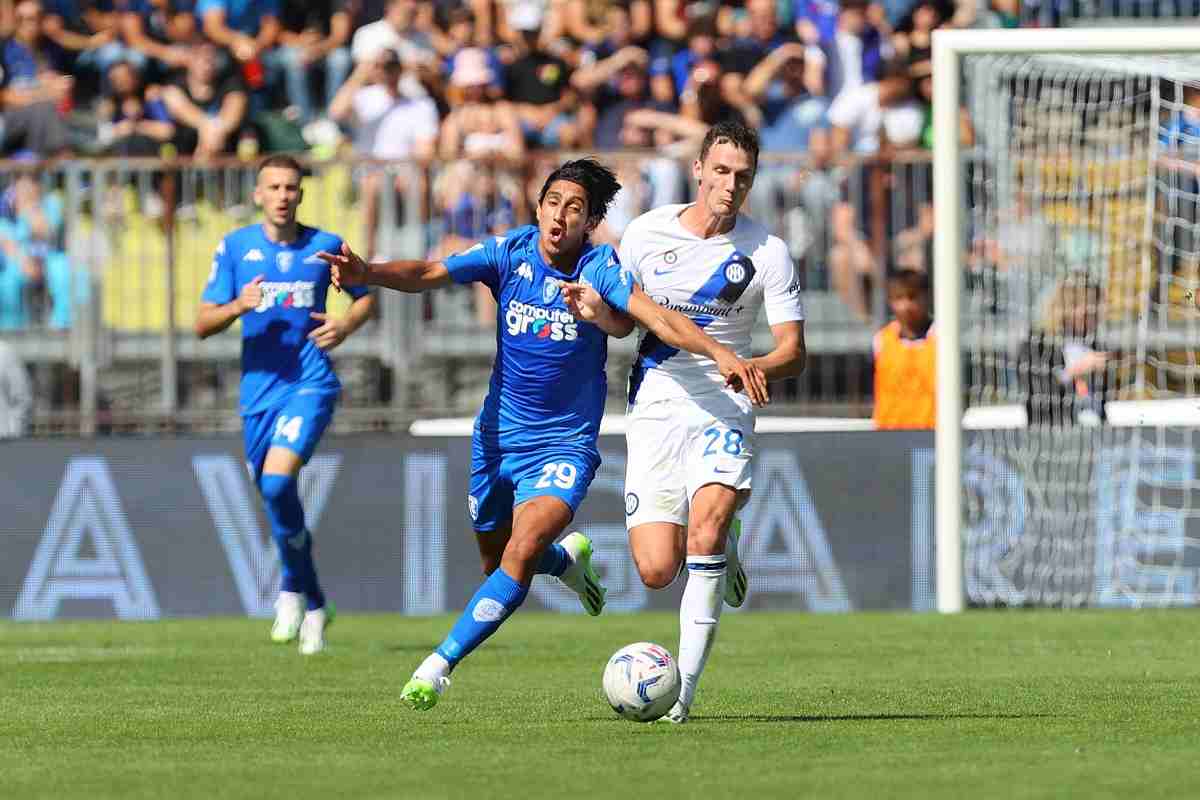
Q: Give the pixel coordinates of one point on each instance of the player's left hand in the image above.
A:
(584, 302)
(744, 376)
(330, 333)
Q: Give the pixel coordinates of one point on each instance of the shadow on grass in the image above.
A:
(413, 648)
(842, 717)
(858, 717)
(428, 647)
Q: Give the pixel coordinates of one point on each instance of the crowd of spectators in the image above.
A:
(470, 91)
(134, 77)
(476, 87)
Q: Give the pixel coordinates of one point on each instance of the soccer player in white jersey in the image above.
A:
(691, 439)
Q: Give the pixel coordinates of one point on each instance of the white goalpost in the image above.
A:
(1066, 263)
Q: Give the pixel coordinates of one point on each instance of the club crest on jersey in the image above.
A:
(736, 272)
(549, 290)
(670, 257)
(283, 260)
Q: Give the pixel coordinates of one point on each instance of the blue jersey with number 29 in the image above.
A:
(548, 384)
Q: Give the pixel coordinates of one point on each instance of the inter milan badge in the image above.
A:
(549, 290)
(670, 257)
(631, 504)
(283, 260)
(735, 272)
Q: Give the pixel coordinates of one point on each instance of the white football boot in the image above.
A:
(580, 577)
(289, 612)
(678, 714)
(312, 630)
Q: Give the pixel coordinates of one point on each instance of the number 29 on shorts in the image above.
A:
(561, 474)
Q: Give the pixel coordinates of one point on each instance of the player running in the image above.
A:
(268, 275)
(690, 439)
(534, 449)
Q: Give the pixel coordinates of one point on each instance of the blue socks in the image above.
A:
(282, 498)
(554, 561)
(494, 602)
(496, 599)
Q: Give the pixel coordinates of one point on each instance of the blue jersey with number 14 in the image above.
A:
(548, 383)
(278, 359)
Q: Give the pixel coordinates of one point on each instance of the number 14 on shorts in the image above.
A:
(288, 427)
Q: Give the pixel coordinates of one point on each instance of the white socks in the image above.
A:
(699, 613)
(433, 668)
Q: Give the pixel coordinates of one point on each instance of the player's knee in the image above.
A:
(658, 575)
(276, 489)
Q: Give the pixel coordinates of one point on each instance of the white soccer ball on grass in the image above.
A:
(641, 681)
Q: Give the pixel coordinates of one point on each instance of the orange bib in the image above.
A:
(905, 380)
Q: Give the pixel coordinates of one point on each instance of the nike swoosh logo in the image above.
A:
(658, 271)
(723, 471)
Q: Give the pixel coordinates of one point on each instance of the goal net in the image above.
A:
(1077, 328)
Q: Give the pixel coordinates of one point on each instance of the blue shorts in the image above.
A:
(501, 481)
(297, 424)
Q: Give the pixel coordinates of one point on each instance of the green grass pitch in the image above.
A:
(982, 705)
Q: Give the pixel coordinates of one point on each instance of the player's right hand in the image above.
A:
(251, 295)
(346, 268)
(584, 302)
(744, 376)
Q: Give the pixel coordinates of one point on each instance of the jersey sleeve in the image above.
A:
(628, 254)
(222, 283)
(355, 292)
(781, 286)
(483, 262)
(613, 282)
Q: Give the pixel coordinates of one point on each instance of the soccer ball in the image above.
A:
(641, 681)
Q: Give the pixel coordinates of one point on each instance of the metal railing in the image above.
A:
(116, 254)
(1108, 13)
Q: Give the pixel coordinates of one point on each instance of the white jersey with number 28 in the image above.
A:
(720, 283)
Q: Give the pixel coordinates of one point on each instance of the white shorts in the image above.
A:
(678, 445)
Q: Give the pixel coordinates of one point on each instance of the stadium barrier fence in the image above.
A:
(125, 248)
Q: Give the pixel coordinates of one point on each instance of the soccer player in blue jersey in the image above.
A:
(268, 276)
(534, 447)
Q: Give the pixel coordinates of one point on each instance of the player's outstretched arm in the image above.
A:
(677, 330)
(212, 318)
(789, 356)
(586, 304)
(348, 269)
